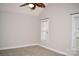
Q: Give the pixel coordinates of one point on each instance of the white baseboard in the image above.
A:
(18, 46)
(63, 53)
(60, 52)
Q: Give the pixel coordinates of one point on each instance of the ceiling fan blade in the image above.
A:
(24, 4)
(40, 5)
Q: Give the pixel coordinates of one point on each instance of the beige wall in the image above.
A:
(18, 29)
(60, 27)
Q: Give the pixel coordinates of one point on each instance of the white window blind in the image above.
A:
(44, 29)
(75, 31)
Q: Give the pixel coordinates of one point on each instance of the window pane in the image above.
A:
(44, 35)
(44, 25)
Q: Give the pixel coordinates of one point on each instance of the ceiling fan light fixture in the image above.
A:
(31, 5)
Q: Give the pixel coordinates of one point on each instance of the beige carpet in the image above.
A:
(29, 51)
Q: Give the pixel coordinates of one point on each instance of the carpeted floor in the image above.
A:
(29, 51)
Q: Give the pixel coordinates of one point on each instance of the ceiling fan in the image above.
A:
(33, 5)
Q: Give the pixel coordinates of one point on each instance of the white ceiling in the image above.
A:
(14, 7)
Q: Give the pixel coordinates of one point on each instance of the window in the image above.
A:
(44, 29)
(75, 31)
